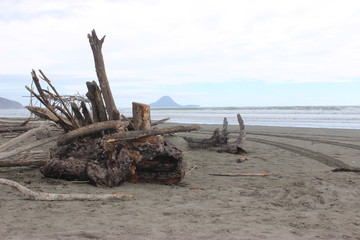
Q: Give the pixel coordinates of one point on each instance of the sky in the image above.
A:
(202, 52)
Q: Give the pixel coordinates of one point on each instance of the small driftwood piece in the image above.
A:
(240, 174)
(219, 139)
(96, 46)
(159, 121)
(63, 197)
(153, 132)
(91, 129)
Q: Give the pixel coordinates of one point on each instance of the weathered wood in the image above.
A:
(78, 115)
(236, 147)
(44, 113)
(48, 105)
(153, 132)
(86, 113)
(66, 109)
(26, 147)
(154, 123)
(92, 129)
(98, 108)
(15, 129)
(141, 116)
(40, 196)
(219, 140)
(22, 137)
(96, 46)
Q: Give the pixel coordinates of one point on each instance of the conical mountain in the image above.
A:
(165, 102)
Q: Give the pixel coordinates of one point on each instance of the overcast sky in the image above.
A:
(204, 52)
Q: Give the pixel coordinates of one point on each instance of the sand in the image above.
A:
(301, 199)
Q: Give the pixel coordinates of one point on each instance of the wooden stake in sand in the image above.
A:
(62, 197)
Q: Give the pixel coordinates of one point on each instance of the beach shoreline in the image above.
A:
(301, 199)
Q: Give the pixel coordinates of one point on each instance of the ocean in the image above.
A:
(342, 117)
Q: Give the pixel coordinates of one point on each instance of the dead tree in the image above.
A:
(219, 139)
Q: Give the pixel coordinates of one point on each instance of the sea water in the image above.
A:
(343, 117)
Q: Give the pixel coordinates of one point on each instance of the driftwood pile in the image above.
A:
(99, 144)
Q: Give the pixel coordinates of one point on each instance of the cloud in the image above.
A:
(175, 43)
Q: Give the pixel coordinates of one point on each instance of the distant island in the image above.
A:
(167, 102)
(9, 104)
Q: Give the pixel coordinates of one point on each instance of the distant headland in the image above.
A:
(9, 104)
(167, 102)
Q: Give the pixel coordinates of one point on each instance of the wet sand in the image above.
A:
(301, 199)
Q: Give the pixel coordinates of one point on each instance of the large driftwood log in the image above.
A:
(32, 145)
(62, 197)
(96, 46)
(22, 137)
(153, 132)
(91, 129)
(149, 159)
(141, 116)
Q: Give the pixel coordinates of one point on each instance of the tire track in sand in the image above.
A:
(347, 145)
(317, 156)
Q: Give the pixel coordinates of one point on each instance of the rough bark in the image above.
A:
(141, 116)
(78, 114)
(86, 113)
(97, 103)
(92, 129)
(96, 46)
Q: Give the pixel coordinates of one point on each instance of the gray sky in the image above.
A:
(205, 52)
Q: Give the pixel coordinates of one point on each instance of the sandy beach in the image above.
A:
(301, 199)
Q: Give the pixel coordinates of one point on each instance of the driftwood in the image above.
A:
(91, 129)
(149, 159)
(15, 129)
(63, 197)
(141, 115)
(98, 108)
(154, 123)
(98, 146)
(26, 147)
(153, 132)
(22, 137)
(219, 139)
(96, 46)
